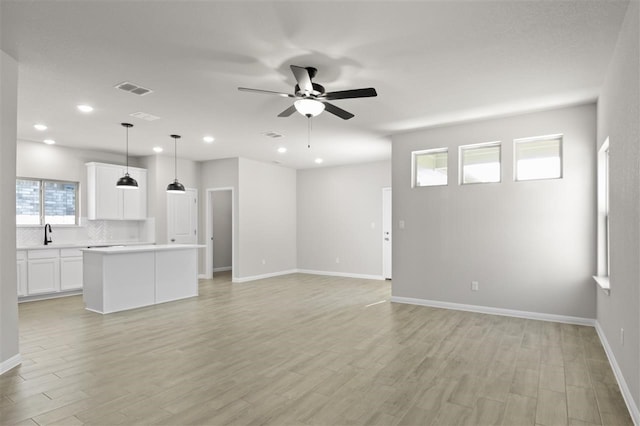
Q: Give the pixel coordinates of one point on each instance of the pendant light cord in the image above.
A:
(127, 130)
(175, 159)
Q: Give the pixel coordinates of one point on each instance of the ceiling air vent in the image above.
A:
(273, 135)
(144, 116)
(133, 88)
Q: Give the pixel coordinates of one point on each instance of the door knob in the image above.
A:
(173, 240)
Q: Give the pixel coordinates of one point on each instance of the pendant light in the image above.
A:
(175, 187)
(126, 181)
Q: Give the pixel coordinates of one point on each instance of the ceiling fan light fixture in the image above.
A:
(309, 107)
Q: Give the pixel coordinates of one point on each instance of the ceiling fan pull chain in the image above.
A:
(309, 132)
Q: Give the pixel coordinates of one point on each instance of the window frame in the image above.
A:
(462, 148)
(558, 136)
(414, 168)
(42, 182)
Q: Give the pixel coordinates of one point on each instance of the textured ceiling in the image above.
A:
(432, 63)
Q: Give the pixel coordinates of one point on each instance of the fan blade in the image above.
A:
(266, 92)
(345, 115)
(287, 112)
(302, 77)
(349, 94)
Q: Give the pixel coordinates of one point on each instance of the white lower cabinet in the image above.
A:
(48, 271)
(21, 269)
(43, 271)
(70, 269)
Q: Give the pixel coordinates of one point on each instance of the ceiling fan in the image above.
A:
(311, 98)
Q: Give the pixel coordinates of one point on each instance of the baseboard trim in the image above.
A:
(222, 269)
(495, 311)
(46, 296)
(262, 276)
(622, 383)
(12, 362)
(341, 274)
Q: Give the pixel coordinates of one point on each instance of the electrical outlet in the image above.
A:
(401, 224)
(622, 337)
(264, 262)
(337, 260)
(474, 285)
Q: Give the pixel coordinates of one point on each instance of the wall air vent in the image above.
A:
(133, 88)
(144, 116)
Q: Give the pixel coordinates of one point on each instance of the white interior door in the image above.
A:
(182, 217)
(386, 233)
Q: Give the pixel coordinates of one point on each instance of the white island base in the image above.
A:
(121, 278)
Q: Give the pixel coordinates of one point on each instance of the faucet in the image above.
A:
(47, 237)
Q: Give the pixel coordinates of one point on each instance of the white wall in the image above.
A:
(267, 219)
(222, 223)
(9, 349)
(339, 214)
(619, 120)
(531, 245)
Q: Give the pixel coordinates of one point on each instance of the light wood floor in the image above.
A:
(303, 349)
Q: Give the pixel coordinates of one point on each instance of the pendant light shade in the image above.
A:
(175, 187)
(126, 181)
(309, 107)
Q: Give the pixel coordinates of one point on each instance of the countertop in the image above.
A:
(142, 248)
(83, 244)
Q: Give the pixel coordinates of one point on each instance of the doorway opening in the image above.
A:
(220, 212)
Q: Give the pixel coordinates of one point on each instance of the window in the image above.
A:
(43, 201)
(603, 211)
(480, 163)
(429, 167)
(538, 158)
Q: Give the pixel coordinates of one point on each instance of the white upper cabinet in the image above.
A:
(106, 202)
(135, 201)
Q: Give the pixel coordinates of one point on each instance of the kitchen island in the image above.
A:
(122, 278)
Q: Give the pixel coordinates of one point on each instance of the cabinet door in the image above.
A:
(135, 200)
(22, 277)
(108, 197)
(43, 276)
(70, 273)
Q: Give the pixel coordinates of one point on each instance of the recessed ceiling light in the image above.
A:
(318, 160)
(208, 139)
(49, 141)
(85, 108)
(40, 127)
(282, 150)
(157, 149)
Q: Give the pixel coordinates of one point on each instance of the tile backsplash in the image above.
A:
(91, 231)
